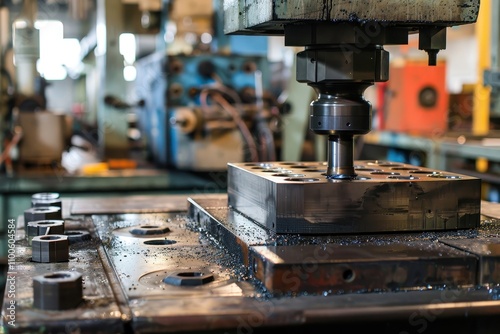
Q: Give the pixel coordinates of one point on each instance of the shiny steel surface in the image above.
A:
(292, 197)
(124, 292)
(340, 157)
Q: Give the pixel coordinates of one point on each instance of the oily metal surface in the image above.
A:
(142, 262)
(128, 204)
(314, 263)
(235, 302)
(269, 16)
(292, 197)
(99, 310)
(366, 267)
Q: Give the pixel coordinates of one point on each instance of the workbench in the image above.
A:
(15, 192)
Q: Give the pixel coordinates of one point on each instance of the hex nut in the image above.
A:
(41, 213)
(43, 227)
(50, 248)
(149, 230)
(188, 278)
(60, 290)
(77, 236)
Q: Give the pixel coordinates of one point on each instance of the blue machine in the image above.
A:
(186, 133)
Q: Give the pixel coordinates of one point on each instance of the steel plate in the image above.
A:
(292, 197)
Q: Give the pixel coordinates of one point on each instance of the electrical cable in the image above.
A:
(234, 113)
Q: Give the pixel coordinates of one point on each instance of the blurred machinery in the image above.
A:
(293, 246)
(202, 111)
(40, 134)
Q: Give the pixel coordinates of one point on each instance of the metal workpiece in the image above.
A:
(50, 248)
(338, 264)
(270, 17)
(44, 227)
(365, 267)
(293, 197)
(57, 291)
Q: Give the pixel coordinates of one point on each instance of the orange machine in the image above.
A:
(417, 100)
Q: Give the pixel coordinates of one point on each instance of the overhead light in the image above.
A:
(127, 47)
(129, 73)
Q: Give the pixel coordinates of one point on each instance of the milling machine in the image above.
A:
(294, 246)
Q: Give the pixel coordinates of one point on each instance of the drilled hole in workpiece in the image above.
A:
(149, 226)
(56, 276)
(276, 170)
(315, 170)
(389, 165)
(348, 275)
(362, 169)
(288, 175)
(399, 177)
(402, 168)
(159, 242)
(191, 274)
(421, 172)
(444, 176)
(302, 179)
(385, 173)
